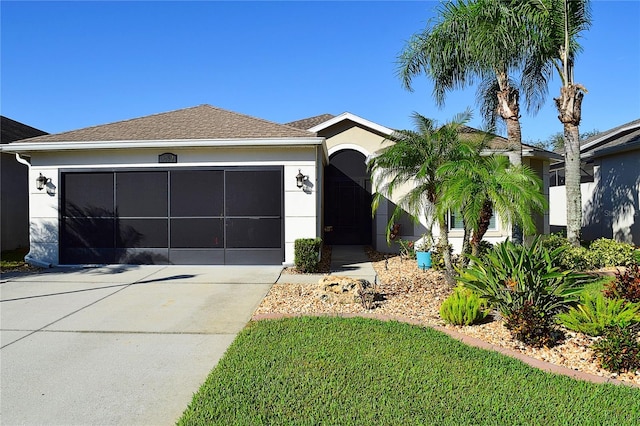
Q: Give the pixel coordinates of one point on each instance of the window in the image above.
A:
(456, 224)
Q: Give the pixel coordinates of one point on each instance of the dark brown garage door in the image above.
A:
(177, 216)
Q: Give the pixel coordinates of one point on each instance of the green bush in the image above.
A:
(307, 254)
(554, 241)
(606, 252)
(522, 281)
(594, 314)
(619, 350)
(463, 307)
(574, 258)
(626, 285)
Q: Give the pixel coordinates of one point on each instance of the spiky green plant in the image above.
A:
(595, 313)
(463, 307)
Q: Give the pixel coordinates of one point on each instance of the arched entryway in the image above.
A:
(347, 200)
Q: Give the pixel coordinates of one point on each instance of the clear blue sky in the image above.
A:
(68, 65)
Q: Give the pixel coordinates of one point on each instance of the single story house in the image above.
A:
(204, 185)
(14, 194)
(610, 186)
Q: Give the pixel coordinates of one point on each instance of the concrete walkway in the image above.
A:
(350, 261)
(118, 345)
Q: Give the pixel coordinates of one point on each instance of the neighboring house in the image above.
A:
(204, 185)
(14, 189)
(610, 186)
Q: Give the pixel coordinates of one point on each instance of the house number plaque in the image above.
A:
(167, 157)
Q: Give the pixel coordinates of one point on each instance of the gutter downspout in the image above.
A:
(30, 260)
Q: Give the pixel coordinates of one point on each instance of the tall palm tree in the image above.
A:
(480, 186)
(559, 24)
(411, 164)
(485, 40)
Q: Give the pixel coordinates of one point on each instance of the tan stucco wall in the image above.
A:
(351, 134)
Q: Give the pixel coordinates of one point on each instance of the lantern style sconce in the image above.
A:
(41, 182)
(300, 178)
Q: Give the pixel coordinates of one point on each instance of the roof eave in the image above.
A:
(20, 147)
(352, 117)
(608, 135)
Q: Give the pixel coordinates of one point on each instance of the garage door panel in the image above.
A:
(253, 193)
(132, 233)
(254, 233)
(88, 232)
(145, 256)
(205, 196)
(197, 233)
(197, 256)
(88, 194)
(85, 256)
(142, 194)
(253, 257)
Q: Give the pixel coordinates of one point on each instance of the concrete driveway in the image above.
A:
(118, 345)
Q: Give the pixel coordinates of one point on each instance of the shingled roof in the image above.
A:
(14, 130)
(308, 123)
(200, 122)
(623, 136)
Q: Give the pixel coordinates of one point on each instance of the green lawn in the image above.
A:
(335, 371)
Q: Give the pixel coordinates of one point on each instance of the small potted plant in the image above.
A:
(423, 252)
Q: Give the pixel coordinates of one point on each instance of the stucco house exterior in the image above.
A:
(14, 195)
(610, 186)
(204, 185)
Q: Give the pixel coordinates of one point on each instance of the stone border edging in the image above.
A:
(467, 340)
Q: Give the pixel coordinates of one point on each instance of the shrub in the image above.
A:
(522, 282)
(594, 314)
(463, 307)
(554, 241)
(307, 254)
(532, 325)
(574, 258)
(626, 285)
(606, 252)
(619, 349)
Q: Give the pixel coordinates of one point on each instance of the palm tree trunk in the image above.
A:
(569, 106)
(509, 110)
(483, 226)
(446, 254)
(466, 247)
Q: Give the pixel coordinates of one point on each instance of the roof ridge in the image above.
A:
(254, 118)
(202, 121)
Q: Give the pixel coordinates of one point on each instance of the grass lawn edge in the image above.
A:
(467, 340)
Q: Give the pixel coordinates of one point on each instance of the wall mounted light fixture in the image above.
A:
(300, 178)
(41, 182)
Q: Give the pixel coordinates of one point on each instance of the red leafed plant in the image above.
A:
(626, 285)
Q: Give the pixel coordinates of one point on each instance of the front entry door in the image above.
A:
(347, 200)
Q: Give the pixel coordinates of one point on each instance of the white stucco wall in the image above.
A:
(301, 207)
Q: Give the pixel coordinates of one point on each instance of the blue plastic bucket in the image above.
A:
(424, 259)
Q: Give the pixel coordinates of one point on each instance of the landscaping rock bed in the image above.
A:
(405, 292)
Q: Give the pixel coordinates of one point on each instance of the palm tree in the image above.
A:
(411, 163)
(559, 24)
(481, 185)
(485, 40)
